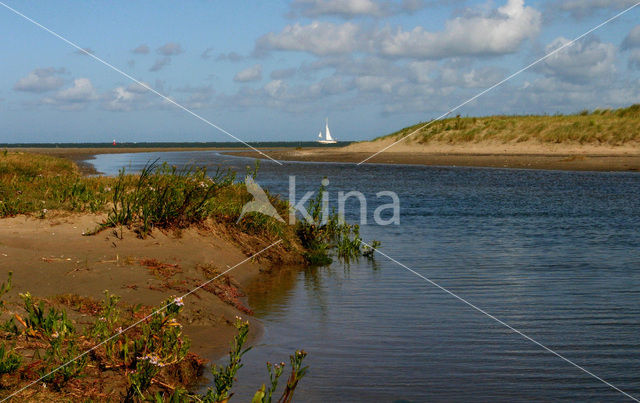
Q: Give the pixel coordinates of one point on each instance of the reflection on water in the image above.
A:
(554, 254)
(271, 291)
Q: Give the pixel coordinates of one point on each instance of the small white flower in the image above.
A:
(152, 358)
(178, 301)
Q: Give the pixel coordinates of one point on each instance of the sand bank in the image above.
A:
(522, 155)
(51, 257)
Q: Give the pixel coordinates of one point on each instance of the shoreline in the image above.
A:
(52, 259)
(141, 271)
(565, 161)
(520, 156)
(80, 155)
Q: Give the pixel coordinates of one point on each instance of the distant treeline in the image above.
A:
(260, 144)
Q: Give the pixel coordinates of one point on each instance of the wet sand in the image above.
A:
(555, 161)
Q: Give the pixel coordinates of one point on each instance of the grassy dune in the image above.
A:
(162, 196)
(600, 127)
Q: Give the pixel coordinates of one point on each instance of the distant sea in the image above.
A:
(219, 144)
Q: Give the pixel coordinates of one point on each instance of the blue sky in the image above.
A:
(272, 71)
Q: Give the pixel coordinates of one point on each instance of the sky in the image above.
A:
(273, 71)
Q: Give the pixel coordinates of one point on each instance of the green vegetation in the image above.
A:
(151, 360)
(600, 127)
(163, 196)
(147, 361)
(9, 360)
(32, 183)
(224, 377)
(160, 196)
(320, 238)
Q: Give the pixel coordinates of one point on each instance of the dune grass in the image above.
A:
(599, 127)
(161, 196)
(34, 183)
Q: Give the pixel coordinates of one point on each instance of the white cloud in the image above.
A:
(275, 88)
(319, 38)
(584, 8)
(121, 99)
(170, 49)
(142, 49)
(206, 54)
(231, 56)
(198, 96)
(343, 8)
(75, 97)
(41, 80)
(582, 62)
(471, 78)
(632, 40)
(634, 59)
(498, 33)
(253, 73)
(283, 73)
(126, 98)
(82, 90)
(423, 72)
(358, 8)
(160, 63)
(549, 94)
(278, 94)
(382, 84)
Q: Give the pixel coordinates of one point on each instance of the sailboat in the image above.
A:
(327, 138)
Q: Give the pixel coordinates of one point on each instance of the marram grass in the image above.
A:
(601, 127)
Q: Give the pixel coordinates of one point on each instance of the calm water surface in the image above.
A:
(554, 254)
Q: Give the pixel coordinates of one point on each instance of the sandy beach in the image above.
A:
(62, 259)
(51, 257)
(521, 156)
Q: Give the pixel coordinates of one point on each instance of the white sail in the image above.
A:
(327, 139)
(328, 134)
